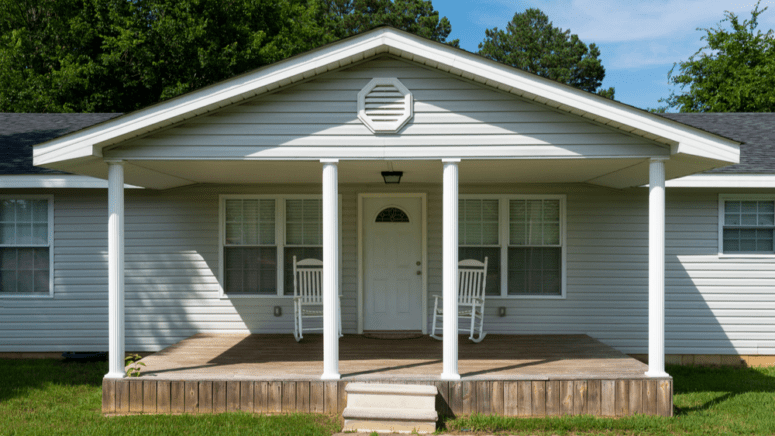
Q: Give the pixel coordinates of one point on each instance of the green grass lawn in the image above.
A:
(49, 397)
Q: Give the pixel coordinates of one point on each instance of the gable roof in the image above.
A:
(19, 132)
(756, 131)
(86, 147)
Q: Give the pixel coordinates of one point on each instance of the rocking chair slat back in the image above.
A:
(472, 277)
(307, 280)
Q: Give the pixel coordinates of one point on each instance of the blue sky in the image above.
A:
(639, 40)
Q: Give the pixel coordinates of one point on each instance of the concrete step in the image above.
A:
(390, 408)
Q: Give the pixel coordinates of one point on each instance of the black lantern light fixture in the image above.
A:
(392, 177)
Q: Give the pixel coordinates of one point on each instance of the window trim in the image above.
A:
(50, 199)
(279, 239)
(503, 241)
(722, 199)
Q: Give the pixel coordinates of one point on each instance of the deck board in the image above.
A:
(510, 375)
(499, 357)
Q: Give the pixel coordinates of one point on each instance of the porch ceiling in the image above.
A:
(170, 174)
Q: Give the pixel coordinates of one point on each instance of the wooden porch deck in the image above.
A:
(513, 375)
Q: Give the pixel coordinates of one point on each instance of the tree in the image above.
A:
(121, 55)
(734, 72)
(343, 18)
(532, 43)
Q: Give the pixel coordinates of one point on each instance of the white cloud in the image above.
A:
(607, 21)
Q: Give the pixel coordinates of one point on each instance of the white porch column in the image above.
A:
(449, 268)
(330, 270)
(657, 269)
(116, 269)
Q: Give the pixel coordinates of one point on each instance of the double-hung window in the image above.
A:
(478, 237)
(523, 239)
(535, 248)
(303, 234)
(25, 246)
(746, 224)
(260, 235)
(250, 246)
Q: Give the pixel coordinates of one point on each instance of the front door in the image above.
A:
(392, 258)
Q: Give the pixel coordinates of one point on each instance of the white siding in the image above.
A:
(322, 114)
(713, 305)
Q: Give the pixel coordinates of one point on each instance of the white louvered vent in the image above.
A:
(385, 105)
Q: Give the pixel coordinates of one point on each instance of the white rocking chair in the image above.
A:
(472, 277)
(308, 295)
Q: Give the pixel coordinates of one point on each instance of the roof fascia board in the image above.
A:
(405, 45)
(305, 153)
(503, 77)
(21, 181)
(723, 181)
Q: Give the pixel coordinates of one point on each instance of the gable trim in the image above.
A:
(682, 139)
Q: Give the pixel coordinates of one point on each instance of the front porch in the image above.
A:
(510, 375)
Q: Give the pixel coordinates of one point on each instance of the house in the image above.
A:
(546, 181)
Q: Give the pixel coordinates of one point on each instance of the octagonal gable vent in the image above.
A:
(385, 105)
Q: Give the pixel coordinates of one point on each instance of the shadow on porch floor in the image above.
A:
(499, 357)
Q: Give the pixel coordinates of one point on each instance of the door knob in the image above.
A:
(419, 273)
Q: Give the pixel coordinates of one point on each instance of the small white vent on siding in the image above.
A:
(385, 105)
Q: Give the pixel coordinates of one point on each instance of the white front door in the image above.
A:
(392, 253)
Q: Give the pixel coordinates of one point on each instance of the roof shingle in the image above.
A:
(755, 130)
(19, 132)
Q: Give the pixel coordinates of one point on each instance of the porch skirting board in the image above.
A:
(520, 398)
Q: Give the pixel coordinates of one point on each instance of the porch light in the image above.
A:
(392, 177)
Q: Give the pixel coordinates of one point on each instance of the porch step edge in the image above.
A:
(391, 389)
(390, 414)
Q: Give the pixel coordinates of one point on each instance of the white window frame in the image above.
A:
(722, 199)
(279, 238)
(50, 199)
(503, 240)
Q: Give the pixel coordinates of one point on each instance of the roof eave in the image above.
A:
(681, 138)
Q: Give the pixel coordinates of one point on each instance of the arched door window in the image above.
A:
(392, 215)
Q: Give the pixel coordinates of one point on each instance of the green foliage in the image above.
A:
(734, 72)
(133, 365)
(118, 55)
(343, 18)
(532, 43)
(56, 398)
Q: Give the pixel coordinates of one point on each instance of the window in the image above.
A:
(392, 215)
(747, 224)
(478, 237)
(250, 249)
(25, 246)
(534, 247)
(260, 234)
(523, 239)
(303, 234)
